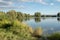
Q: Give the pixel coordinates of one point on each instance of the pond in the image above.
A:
(48, 24)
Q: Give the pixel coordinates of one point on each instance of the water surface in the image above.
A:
(48, 24)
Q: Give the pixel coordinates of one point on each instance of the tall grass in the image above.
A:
(14, 30)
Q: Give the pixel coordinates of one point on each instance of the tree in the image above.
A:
(37, 32)
(25, 15)
(58, 14)
(37, 14)
(12, 14)
(2, 15)
(20, 16)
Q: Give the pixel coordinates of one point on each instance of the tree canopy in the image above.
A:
(37, 14)
(58, 14)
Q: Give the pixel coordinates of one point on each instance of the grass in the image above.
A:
(14, 30)
(55, 36)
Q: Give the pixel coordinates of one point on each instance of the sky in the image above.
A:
(46, 7)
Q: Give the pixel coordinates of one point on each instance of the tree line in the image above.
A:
(12, 14)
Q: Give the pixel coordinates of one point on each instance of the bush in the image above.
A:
(16, 31)
(4, 23)
(55, 36)
(38, 32)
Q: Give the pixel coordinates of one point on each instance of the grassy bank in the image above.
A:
(15, 30)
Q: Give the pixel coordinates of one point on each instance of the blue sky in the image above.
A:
(51, 7)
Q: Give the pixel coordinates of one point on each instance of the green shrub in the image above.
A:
(14, 30)
(55, 36)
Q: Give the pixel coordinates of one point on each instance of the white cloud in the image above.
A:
(27, 0)
(12, 7)
(37, 1)
(5, 3)
(0, 0)
(10, 3)
(58, 0)
(51, 3)
(41, 1)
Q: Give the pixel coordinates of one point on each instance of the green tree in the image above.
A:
(20, 16)
(37, 14)
(12, 14)
(28, 15)
(2, 15)
(58, 14)
(25, 15)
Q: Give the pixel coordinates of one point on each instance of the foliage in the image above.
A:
(4, 23)
(12, 14)
(55, 36)
(20, 16)
(14, 30)
(38, 32)
(37, 14)
(58, 14)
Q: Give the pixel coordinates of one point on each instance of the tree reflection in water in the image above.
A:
(38, 19)
(58, 19)
(27, 18)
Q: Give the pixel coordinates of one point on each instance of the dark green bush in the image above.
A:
(55, 36)
(14, 30)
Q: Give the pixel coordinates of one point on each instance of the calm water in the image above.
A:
(49, 25)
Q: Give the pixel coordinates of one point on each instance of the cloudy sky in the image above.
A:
(31, 6)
